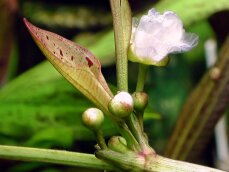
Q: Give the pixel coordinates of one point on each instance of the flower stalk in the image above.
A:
(122, 30)
(100, 139)
(140, 103)
(142, 73)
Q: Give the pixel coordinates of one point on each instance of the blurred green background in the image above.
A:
(38, 108)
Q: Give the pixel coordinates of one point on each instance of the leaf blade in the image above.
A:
(75, 63)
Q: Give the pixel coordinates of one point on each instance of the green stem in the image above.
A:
(100, 139)
(121, 13)
(138, 133)
(139, 115)
(149, 162)
(126, 133)
(143, 69)
(142, 73)
(122, 30)
(53, 156)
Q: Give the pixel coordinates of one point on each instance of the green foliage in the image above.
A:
(45, 112)
(204, 31)
(40, 108)
(48, 97)
(66, 16)
(168, 87)
(193, 11)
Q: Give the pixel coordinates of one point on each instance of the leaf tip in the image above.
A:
(27, 23)
(29, 26)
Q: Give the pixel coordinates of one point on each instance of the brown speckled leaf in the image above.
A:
(75, 63)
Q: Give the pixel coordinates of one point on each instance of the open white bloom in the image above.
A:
(156, 35)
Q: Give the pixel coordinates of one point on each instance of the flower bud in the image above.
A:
(118, 143)
(93, 118)
(121, 105)
(140, 101)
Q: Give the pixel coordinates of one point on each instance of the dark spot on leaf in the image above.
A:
(54, 44)
(47, 37)
(72, 58)
(61, 52)
(89, 62)
(54, 52)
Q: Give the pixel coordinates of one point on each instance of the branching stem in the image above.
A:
(53, 156)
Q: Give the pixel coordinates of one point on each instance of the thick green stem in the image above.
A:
(121, 13)
(122, 29)
(53, 156)
(149, 162)
(100, 139)
(142, 72)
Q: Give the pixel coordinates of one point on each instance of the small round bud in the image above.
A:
(215, 73)
(121, 105)
(140, 101)
(118, 143)
(93, 118)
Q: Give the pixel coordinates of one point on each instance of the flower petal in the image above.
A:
(189, 40)
(157, 35)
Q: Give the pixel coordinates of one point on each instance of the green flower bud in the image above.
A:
(118, 144)
(93, 118)
(121, 105)
(140, 101)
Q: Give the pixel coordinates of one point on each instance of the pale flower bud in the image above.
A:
(118, 144)
(157, 35)
(93, 118)
(121, 105)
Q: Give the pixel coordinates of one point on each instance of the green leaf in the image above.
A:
(48, 101)
(63, 15)
(151, 116)
(75, 63)
(204, 31)
(194, 10)
(59, 135)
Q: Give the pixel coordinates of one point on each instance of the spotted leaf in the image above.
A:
(78, 65)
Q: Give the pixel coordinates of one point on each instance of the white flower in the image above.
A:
(157, 35)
